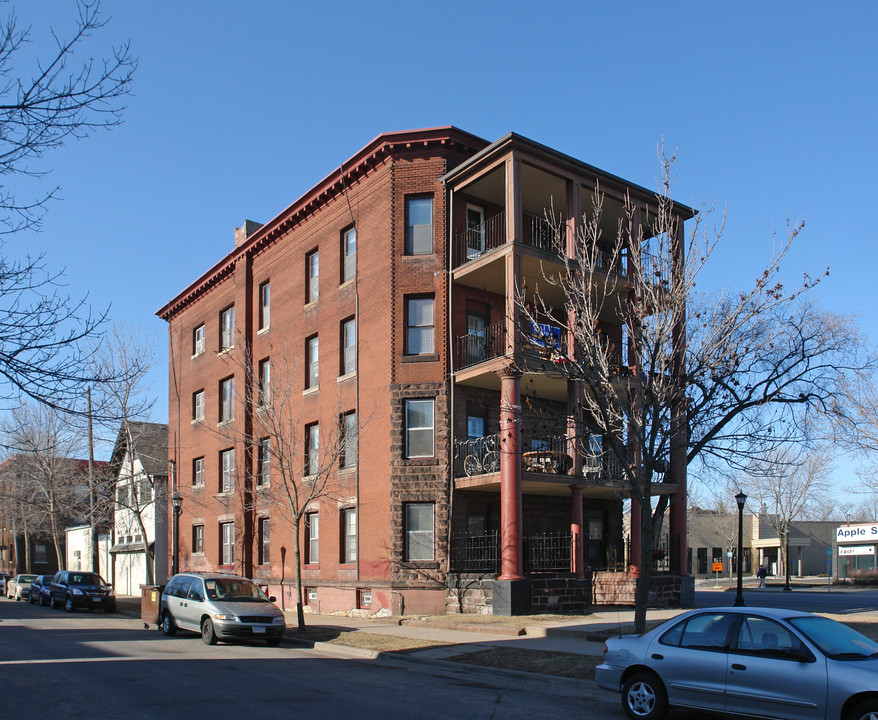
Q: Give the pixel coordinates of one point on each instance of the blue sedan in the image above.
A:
(758, 662)
(39, 590)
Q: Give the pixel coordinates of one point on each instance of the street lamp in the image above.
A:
(176, 504)
(786, 556)
(740, 498)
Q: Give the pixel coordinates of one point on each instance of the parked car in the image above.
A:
(749, 661)
(19, 587)
(40, 589)
(220, 607)
(3, 578)
(75, 589)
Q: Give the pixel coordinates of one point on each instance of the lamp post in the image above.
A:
(740, 498)
(176, 504)
(786, 557)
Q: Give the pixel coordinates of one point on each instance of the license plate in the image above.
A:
(258, 630)
(95, 599)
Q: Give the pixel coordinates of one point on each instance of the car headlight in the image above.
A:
(278, 620)
(77, 591)
(224, 616)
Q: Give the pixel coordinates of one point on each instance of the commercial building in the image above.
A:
(379, 310)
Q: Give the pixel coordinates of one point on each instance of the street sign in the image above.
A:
(717, 567)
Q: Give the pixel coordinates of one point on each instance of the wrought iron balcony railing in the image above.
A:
(482, 345)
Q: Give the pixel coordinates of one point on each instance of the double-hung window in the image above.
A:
(198, 471)
(349, 439)
(312, 362)
(349, 535)
(419, 428)
(349, 346)
(312, 546)
(227, 399)
(419, 326)
(198, 405)
(264, 388)
(264, 541)
(419, 226)
(312, 276)
(227, 470)
(198, 338)
(312, 449)
(264, 305)
(227, 538)
(349, 254)
(263, 477)
(227, 328)
(197, 539)
(419, 531)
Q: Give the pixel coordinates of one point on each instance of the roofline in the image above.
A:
(358, 165)
(514, 139)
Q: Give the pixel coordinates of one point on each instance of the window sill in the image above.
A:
(225, 350)
(225, 494)
(310, 390)
(197, 421)
(263, 486)
(198, 354)
(224, 423)
(347, 376)
(415, 256)
(197, 554)
(347, 470)
(347, 283)
(432, 357)
(198, 486)
(311, 305)
(262, 331)
(420, 564)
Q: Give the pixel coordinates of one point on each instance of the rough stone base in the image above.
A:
(478, 594)
(619, 588)
(513, 597)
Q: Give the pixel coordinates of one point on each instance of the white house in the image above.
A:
(139, 465)
(79, 550)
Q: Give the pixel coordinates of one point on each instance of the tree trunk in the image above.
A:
(297, 561)
(644, 578)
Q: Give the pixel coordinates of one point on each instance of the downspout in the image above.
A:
(451, 393)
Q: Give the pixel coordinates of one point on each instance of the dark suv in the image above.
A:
(75, 589)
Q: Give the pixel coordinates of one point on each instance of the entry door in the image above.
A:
(477, 346)
(475, 231)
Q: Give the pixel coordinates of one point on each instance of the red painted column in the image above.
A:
(634, 559)
(510, 476)
(577, 556)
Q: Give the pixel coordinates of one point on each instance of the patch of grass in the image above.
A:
(360, 639)
(545, 662)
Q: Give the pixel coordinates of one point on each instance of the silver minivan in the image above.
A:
(220, 607)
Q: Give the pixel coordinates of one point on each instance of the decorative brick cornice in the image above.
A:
(384, 147)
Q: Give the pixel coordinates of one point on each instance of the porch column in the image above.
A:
(634, 556)
(678, 539)
(510, 475)
(577, 555)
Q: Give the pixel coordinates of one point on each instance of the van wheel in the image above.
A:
(168, 626)
(866, 710)
(207, 632)
(68, 605)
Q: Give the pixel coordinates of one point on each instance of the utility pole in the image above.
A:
(93, 532)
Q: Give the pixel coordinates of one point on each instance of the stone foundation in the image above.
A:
(563, 595)
(618, 589)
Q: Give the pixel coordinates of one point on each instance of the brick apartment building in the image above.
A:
(386, 292)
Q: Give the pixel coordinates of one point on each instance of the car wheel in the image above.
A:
(207, 632)
(30, 599)
(273, 642)
(644, 697)
(68, 605)
(866, 710)
(168, 627)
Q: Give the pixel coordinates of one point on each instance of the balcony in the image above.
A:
(545, 552)
(482, 345)
(476, 240)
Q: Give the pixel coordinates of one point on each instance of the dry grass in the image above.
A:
(544, 662)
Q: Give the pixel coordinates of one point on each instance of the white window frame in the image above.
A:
(349, 346)
(264, 541)
(475, 237)
(199, 340)
(198, 406)
(349, 254)
(349, 535)
(312, 358)
(227, 399)
(312, 449)
(414, 538)
(264, 394)
(419, 331)
(227, 328)
(227, 539)
(312, 529)
(411, 230)
(431, 428)
(265, 305)
(312, 273)
(350, 440)
(198, 472)
(227, 470)
(263, 475)
(198, 539)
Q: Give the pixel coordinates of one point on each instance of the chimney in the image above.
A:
(245, 231)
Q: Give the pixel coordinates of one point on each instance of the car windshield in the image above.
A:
(85, 579)
(233, 590)
(26, 578)
(835, 640)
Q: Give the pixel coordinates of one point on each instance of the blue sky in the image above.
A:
(238, 108)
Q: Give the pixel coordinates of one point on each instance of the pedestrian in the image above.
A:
(762, 573)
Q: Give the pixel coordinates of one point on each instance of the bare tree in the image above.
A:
(42, 329)
(295, 463)
(667, 375)
(44, 444)
(791, 484)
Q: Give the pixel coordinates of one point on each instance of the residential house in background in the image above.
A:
(140, 529)
(389, 288)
